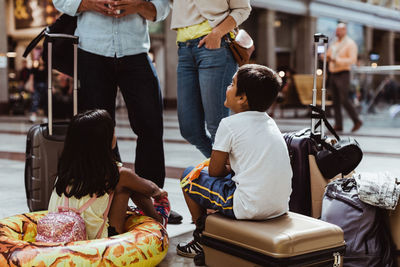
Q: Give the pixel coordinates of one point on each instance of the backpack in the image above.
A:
(368, 240)
(67, 225)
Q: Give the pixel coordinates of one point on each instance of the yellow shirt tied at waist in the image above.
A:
(195, 31)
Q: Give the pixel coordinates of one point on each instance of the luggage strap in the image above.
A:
(321, 115)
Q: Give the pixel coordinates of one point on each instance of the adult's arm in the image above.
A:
(350, 55)
(239, 11)
(154, 10)
(74, 7)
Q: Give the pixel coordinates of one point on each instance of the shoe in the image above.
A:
(356, 126)
(174, 218)
(163, 208)
(338, 128)
(189, 250)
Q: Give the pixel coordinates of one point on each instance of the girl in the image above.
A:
(87, 167)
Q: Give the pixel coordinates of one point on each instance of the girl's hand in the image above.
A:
(160, 194)
(211, 41)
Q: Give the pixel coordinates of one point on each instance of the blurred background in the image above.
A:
(282, 32)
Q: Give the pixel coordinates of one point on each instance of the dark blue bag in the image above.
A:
(368, 240)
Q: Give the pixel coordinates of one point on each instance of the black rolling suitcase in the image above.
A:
(301, 144)
(45, 142)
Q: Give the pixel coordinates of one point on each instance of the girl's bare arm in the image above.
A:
(133, 182)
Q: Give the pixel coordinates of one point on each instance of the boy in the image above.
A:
(249, 157)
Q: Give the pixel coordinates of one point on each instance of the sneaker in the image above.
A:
(163, 208)
(189, 250)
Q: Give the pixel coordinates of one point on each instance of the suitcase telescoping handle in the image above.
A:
(318, 37)
(75, 40)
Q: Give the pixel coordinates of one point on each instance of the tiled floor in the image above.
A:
(379, 138)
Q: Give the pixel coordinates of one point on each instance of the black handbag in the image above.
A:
(63, 53)
(341, 157)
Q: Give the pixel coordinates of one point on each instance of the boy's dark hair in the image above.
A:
(260, 84)
(87, 164)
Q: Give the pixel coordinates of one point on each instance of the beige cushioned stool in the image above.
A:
(289, 240)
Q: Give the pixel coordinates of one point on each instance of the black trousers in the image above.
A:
(339, 83)
(137, 79)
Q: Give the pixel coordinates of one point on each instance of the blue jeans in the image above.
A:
(203, 76)
(39, 97)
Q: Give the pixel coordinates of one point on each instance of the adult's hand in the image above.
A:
(329, 58)
(101, 6)
(211, 41)
(128, 7)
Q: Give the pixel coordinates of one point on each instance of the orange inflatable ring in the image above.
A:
(144, 244)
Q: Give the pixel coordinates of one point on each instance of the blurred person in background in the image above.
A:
(63, 97)
(287, 85)
(38, 87)
(342, 54)
(24, 73)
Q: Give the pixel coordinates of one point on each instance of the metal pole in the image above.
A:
(75, 96)
(314, 90)
(49, 83)
(323, 90)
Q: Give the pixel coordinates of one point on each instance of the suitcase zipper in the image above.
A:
(336, 259)
(288, 144)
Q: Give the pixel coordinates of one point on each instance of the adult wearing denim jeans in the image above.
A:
(205, 64)
(113, 46)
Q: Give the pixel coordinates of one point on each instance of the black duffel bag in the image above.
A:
(341, 157)
(63, 53)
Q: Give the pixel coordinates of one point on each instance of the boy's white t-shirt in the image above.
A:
(259, 157)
